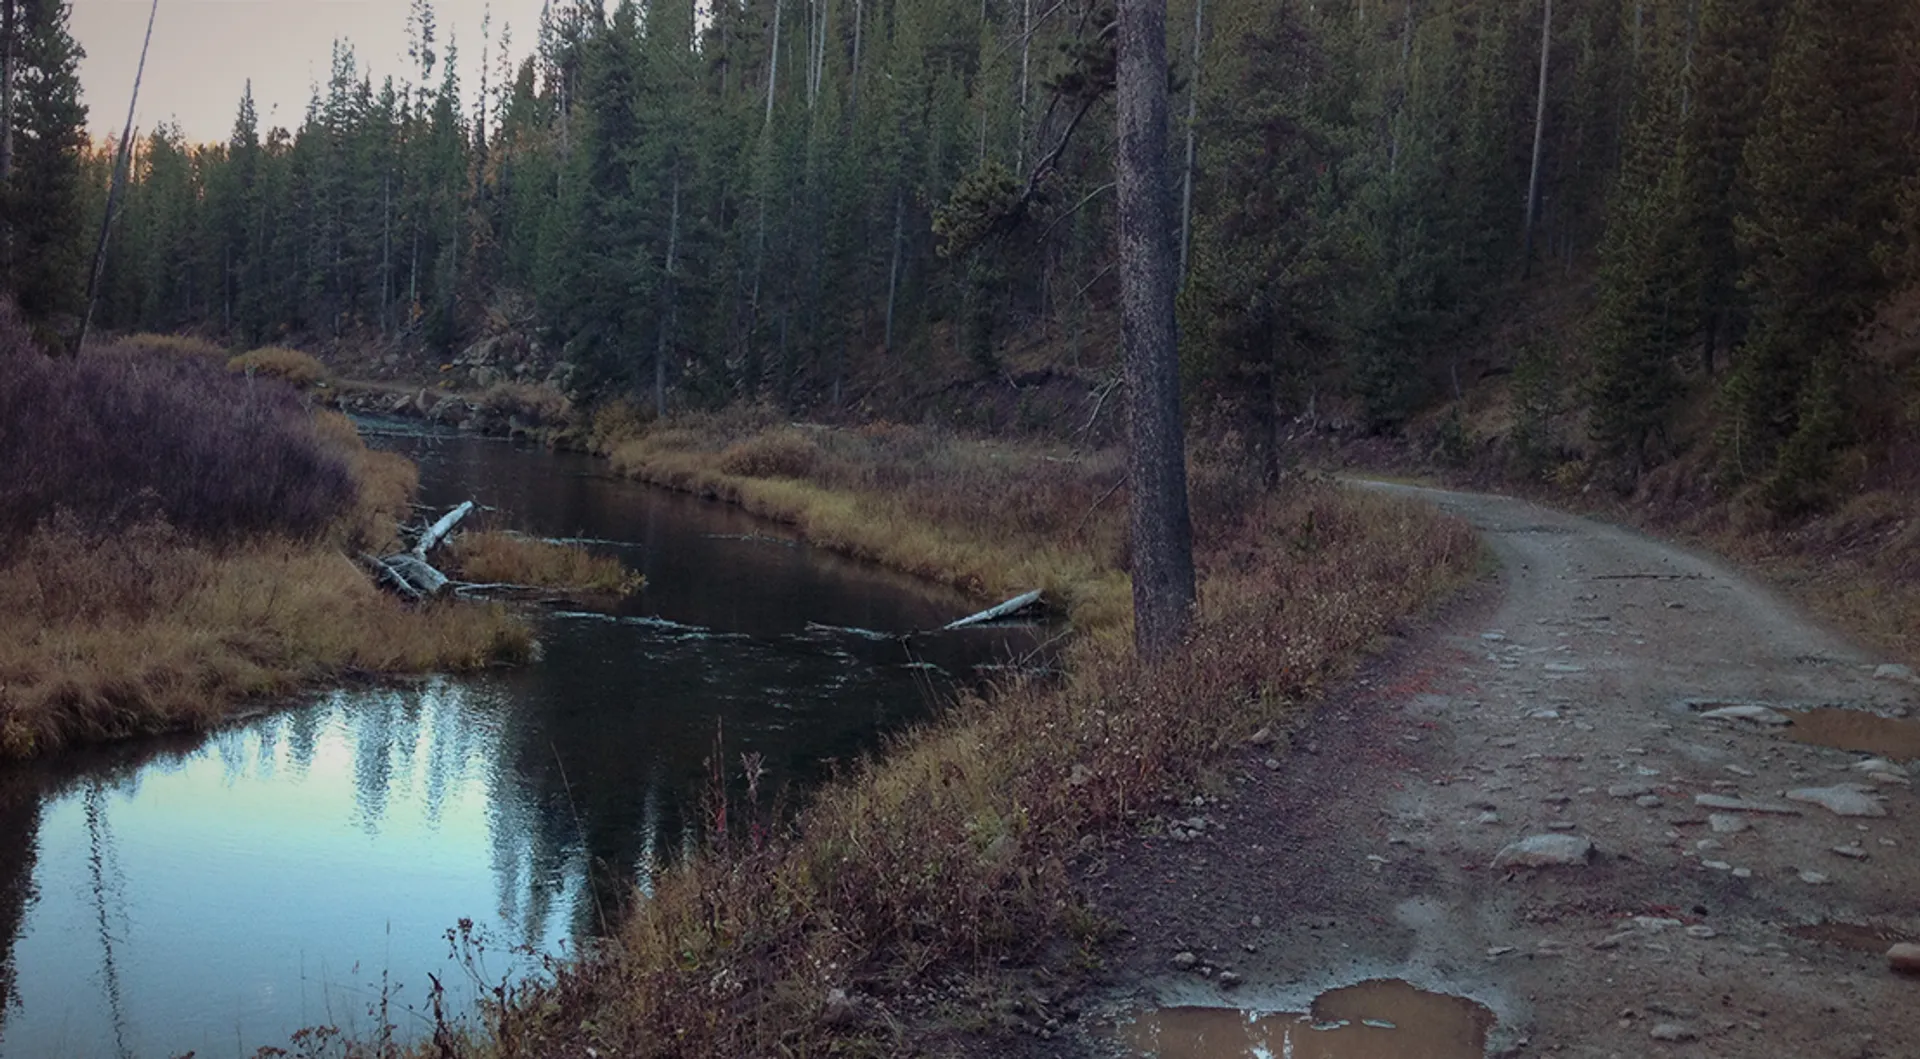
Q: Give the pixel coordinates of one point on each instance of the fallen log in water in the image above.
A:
(1011, 608)
(409, 574)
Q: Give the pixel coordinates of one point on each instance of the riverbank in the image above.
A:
(177, 540)
(926, 875)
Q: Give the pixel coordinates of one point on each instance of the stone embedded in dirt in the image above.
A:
(1727, 823)
(1545, 715)
(1628, 790)
(1272, 764)
(1674, 1032)
(1743, 873)
(1879, 764)
(1905, 958)
(1649, 801)
(1897, 673)
(1080, 776)
(1888, 779)
(1228, 979)
(1184, 961)
(1845, 799)
(1742, 805)
(1738, 771)
(1262, 737)
(1564, 667)
(1756, 714)
(1702, 931)
(1561, 825)
(1488, 817)
(1814, 878)
(1716, 865)
(1545, 851)
(1851, 852)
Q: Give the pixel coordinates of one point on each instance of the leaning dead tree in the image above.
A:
(408, 574)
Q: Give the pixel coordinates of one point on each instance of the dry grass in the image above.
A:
(300, 369)
(496, 557)
(991, 519)
(142, 631)
(950, 853)
(535, 406)
(385, 484)
(166, 345)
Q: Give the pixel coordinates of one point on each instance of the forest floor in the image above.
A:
(1566, 700)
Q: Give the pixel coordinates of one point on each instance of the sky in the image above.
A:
(205, 50)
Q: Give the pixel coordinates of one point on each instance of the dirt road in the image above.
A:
(1569, 702)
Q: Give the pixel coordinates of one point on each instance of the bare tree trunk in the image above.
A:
(1026, 67)
(1163, 585)
(1539, 131)
(893, 270)
(773, 62)
(859, 25)
(1193, 117)
(667, 310)
(113, 188)
(7, 21)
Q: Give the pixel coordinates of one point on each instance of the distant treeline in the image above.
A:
(765, 200)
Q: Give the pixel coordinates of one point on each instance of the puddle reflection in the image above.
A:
(1385, 1019)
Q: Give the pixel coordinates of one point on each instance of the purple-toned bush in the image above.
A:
(114, 438)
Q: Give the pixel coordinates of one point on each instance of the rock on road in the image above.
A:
(1558, 721)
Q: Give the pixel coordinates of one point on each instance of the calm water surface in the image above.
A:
(215, 895)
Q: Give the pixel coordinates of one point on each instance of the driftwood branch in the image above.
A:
(1017, 605)
(439, 530)
(385, 574)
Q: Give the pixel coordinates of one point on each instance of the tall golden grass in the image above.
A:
(497, 557)
(292, 365)
(106, 636)
(950, 851)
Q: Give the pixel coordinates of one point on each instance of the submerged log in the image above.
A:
(386, 575)
(1011, 608)
(409, 574)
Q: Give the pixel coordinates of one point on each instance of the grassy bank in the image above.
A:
(951, 852)
(173, 543)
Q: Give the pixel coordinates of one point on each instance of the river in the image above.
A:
(313, 866)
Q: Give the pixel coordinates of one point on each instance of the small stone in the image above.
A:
(1888, 779)
(1879, 764)
(1489, 818)
(1851, 852)
(1495, 636)
(1702, 931)
(1612, 941)
(1542, 851)
(1545, 715)
(1649, 801)
(1716, 865)
(1561, 825)
(1506, 741)
(1674, 1032)
(1498, 951)
(1898, 673)
(1228, 979)
(1727, 823)
(1080, 776)
(1904, 958)
(1742, 805)
(1846, 799)
(1707, 845)
(1256, 922)
(1743, 873)
(1739, 771)
(1628, 790)
(1755, 714)
(1185, 961)
(1564, 667)
(1272, 764)
(1263, 737)
(1813, 878)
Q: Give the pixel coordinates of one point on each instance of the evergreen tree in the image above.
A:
(41, 240)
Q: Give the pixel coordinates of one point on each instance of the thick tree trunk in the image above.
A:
(1539, 131)
(115, 182)
(773, 61)
(1163, 588)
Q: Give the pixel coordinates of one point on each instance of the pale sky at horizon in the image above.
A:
(205, 50)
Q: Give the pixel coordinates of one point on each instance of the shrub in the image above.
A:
(784, 453)
(496, 557)
(279, 362)
(115, 438)
(534, 405)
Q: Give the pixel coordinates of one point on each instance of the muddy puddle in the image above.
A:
(1857, 730)
(1384, 1019)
